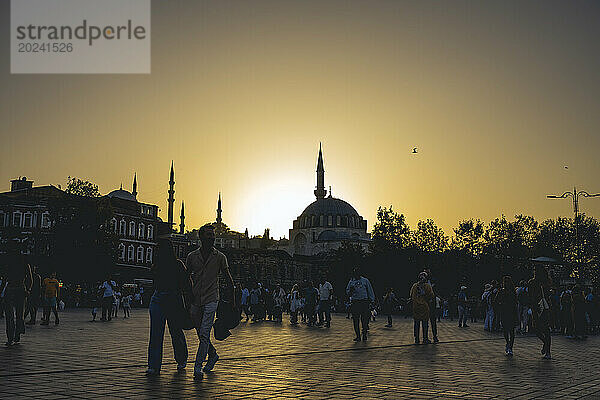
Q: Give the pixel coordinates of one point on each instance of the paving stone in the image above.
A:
(80, 359)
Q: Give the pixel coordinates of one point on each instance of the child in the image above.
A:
(389, 304)
(126, 303)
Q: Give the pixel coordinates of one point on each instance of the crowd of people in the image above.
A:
(310, 302)
(573, 311)
(186, 296)
(22, 291)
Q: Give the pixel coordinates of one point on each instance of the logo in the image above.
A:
(80, 36)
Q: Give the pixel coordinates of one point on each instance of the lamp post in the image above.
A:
(575, 196)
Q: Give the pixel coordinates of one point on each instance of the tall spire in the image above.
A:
(182, 219)
(320, 190)
(171, 199)
(219, 210)
(134, 191)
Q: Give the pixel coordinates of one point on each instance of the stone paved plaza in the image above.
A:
(80, 359)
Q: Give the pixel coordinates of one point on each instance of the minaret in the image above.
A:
(171, 199)
(320, 190)
(134, 191)
(182, 220)
(219, 210)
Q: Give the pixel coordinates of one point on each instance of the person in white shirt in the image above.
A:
(116, 303)
(126, 302)
(108, 289)
(325, 296)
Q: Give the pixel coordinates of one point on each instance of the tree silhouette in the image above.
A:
(468, 237)
(82, 188)
(390, 231)
(429, 237)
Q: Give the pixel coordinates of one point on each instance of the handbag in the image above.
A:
(182, 316)
(542, 304)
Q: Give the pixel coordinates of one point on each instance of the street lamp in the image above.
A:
(575, 195)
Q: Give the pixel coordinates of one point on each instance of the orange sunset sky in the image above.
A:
(498, 96)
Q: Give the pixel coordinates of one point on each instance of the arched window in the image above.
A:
(45, 219)
(321, 220)
(121, 251)
(2, 217)
(312, 221)
(338, 221)
(122, 227)
(113, 225)
(130, 253)
(149, 255)
(132, 229)
(17, 219)
(329, 220)
(27, 220)
(150, 232)
(141, 230)
(140, 254)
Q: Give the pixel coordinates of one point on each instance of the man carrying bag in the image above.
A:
(205, 264)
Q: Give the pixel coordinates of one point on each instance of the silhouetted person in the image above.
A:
(506, 301)
(325, 296)
(538, 288)
(33, 300)
(108, 291)
(462, 301)
(171, 285)
(579, 308)
(361, 295)
(432, 309)
(390, 302)
(205, 264)
(51, 291)
(421, 294)
(17, 284)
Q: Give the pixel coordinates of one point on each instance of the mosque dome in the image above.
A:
(122, 194)
(329, 206)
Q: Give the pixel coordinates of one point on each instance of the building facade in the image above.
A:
(136, 225)
(25, 216)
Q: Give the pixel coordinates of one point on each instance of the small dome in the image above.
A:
(122, 194)
(329, 206)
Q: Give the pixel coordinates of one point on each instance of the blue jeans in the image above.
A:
(14, 305)
(324, 311)
(417, 324)
(162, 308)
(462, 316)
(489, 319)
(204, 316)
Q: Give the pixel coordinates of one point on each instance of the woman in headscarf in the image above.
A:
(539, 290)
(421, 294)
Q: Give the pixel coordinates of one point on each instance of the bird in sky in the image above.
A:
(414, 151)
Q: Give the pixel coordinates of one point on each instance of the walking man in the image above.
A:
(51, 291)
(462, 307)
(432, 309)
(16, 285)
(108, 290)
(325, 296)
(360, 291)
(205, 263)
